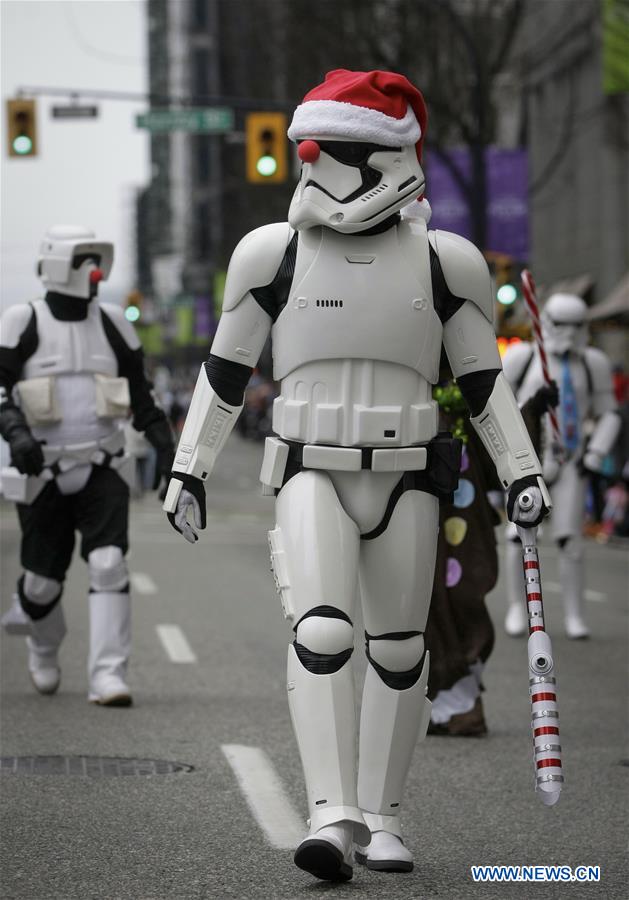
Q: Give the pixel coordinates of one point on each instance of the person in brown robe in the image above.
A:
(460, 633)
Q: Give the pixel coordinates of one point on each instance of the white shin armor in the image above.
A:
(391, 723)
(324, 720)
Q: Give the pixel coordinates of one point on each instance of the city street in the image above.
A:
(208, 682)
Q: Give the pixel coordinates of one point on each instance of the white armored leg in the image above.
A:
(571, 578)
(315, 558)
(516, 620)
(110, 628)
(397, 571)
(39, 599)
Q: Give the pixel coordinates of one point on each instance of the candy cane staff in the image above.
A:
(584, 377)
(530, 299)
(542, 682)
(359, 304)
(70, 369)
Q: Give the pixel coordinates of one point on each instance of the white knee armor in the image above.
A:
(108, 569)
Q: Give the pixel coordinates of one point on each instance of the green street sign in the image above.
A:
(212, 120)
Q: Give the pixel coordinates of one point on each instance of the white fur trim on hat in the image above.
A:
(338, 119)
(417, 209)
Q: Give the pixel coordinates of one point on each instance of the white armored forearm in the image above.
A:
(503, 433)
(207, 427)
(605, 434)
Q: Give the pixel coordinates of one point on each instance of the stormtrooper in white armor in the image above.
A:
(583, 376)
(70, 371)
(358, 303)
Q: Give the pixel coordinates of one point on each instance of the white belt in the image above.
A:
(87, 452)
(353, 459)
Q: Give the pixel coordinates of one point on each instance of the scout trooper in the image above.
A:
(583, 375)
(358, 303)
(69, 371)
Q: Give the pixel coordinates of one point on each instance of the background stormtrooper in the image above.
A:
(70, 369)
(358, 303)
(583, 375)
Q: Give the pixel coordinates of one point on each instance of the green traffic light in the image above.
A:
(267, 165)
(22, 144)
(132, 313)
(507, 294)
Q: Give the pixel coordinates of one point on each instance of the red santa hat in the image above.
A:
(382, 107)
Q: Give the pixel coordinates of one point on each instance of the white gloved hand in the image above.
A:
(186, 493)
(186, 502)
(526, 503)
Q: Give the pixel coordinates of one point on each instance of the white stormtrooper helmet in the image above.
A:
(360, 136)
(71, 261)
(564, 323)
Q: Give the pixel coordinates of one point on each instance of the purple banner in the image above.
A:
(507, 200)
(204, 325)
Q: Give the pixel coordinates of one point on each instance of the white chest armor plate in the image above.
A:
(357, 346)
(69, 355)
(70, 346)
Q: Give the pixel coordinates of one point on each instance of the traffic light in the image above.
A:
(22, 127)
(266, 147)
(133, 306)
(503, 270)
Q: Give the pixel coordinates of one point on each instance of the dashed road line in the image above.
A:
(265, 795)
(176, 644)
(143, 583)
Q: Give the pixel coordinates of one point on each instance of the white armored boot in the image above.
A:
(43, 643)
(516, 621)
(323, 715)
(110, 646)
(37, 612)
(392, 722)
(15, 621)
(571, 578)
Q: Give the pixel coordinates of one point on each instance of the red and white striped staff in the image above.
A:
(528, 288)
(542, 682)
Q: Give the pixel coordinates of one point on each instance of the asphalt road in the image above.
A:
(222, 709)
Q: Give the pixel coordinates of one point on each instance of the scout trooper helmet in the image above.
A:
(564, 323)
(71, 261)
(359, 137)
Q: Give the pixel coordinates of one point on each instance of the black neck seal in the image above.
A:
(66, 308)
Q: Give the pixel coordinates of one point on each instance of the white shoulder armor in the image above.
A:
(517, 358)
(255, 261)
(126, 329)
(13, 323)
(465, 270)
(600, 368)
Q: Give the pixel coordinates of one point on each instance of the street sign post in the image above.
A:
(211, 120)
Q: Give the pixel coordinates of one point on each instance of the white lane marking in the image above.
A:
(143, 583)
(591, 596)
(175, 644)
(265, 796)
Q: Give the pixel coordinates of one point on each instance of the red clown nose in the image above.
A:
(96, 275)
(308, 151)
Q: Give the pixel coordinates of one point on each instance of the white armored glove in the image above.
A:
(186, 493)
(528, 502)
